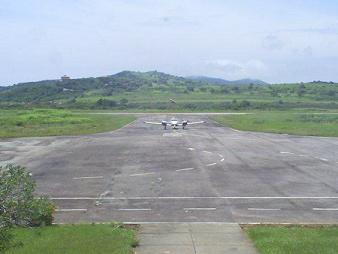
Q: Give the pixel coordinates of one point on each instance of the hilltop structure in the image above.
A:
(65, 77)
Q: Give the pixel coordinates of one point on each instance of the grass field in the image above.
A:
(146, 94)
(294, 239)
(74, 239)
(48, 122)
(312, 124)
(150, 99)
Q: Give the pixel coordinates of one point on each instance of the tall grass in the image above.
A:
(284, 122)
(50, 122)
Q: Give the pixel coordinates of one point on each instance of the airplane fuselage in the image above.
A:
(174, 124)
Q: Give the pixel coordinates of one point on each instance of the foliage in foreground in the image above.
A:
(75, 239)
(18, 206)
(294, 239)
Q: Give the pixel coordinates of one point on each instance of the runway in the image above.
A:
(206, 173)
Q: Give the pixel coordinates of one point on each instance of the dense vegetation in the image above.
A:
(153, 90)
(75, 239)
(52, 122)
(294, 239)
(291, 122)
(18, 205)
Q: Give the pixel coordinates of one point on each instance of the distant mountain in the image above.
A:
(220, 81)
(50, 90)
(209, 80)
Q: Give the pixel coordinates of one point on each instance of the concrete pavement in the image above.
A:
(206, 173)
(188, 238)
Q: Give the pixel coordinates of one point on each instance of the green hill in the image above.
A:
(153, 90)
(49, 90)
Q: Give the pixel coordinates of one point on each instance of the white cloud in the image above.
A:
(250, 38)
(272, 42)
(230, 69)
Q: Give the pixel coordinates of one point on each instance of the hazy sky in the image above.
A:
(277, 41)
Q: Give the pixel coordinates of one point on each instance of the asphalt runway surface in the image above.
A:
(206, 173)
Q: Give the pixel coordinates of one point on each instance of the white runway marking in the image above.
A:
(134, 209)
(172, 134)
(143, 174)
(191, 149)
(325, 209)
(304, 155)
(207, 152)
(220, 155)
(184, 198)
(286, 153)
(70, 210)
(88, 177)
(200, 209)
(263, 209)
(184, 169)
(104, 193)
(211, 164)
(222, 159)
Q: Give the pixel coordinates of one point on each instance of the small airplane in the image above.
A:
(174, 123)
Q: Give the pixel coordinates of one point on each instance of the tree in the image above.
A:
(301, 90)
(273, 92)
(123, 101)
(18, 206)
(190, 88)
(224, 90)
(103, 103)
(245, 104)
(203, 89)
(235, 89)
(16, 195)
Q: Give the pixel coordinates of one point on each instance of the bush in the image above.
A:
(42, 212)
(5, 239)
(18, 206)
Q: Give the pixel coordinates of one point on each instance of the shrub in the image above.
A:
(5, 238)
(42, 212)
(18, 206)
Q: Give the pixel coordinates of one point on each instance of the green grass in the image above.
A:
(311, 124)
(49, 122)
(74, 239)
(147, 96)
(294, 239)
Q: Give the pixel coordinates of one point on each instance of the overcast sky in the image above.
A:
(276, 41)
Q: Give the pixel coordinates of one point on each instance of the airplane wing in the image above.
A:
(189, 123)
(154, 123)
